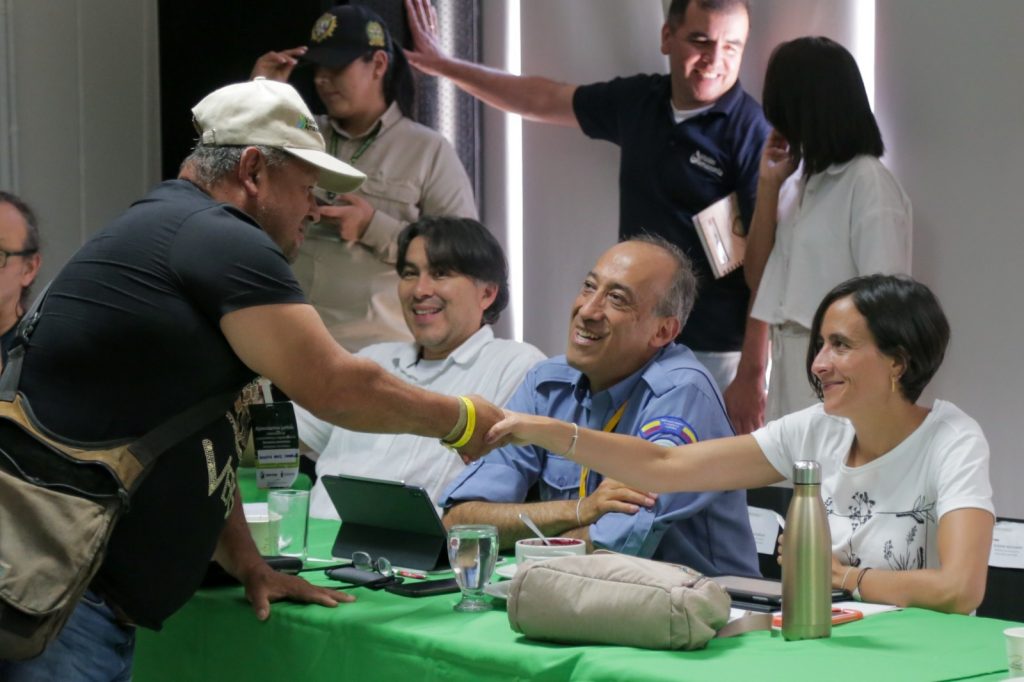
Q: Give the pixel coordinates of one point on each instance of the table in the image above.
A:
(384, 636)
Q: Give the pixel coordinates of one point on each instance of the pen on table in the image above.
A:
(411, 574)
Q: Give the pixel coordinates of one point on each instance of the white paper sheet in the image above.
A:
(1007, 545)
(765, 524)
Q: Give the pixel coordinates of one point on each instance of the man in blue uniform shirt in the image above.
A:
(688, 138)
(621, 372)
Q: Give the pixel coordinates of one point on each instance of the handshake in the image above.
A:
(482, 426)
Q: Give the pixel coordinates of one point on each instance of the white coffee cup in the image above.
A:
(1015, 650)
(263, 527)
(534, 549)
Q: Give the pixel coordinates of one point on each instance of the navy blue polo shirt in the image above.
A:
(670, 171)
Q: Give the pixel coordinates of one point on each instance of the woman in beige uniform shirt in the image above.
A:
(346, 265)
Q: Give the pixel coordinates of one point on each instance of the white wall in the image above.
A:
(87, 110)
(951, 106)
(570, 188)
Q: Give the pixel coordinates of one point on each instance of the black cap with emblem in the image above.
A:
(344, 33)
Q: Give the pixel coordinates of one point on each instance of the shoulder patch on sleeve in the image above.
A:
(668, 431)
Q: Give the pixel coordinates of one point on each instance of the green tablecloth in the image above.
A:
(384, 636)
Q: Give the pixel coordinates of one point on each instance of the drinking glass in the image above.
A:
(473, 551)
(291, 510)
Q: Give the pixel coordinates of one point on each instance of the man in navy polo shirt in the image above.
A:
(688, 139)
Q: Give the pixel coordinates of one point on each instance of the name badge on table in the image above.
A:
(276, 440)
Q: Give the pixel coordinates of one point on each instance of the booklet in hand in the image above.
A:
(721, 233)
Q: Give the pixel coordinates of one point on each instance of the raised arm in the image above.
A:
(288, 344)
(277, 66)
(533, 97)
(777, 164)
(722, 464)
(957, 586)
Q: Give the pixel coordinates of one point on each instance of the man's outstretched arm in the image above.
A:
(532, 97)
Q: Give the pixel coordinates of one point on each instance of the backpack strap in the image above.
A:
(157, 440)
(11, 376)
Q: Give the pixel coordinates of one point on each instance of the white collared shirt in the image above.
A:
(483, 365)
(851, 219)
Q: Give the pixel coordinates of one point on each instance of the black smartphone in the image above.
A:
(424, 589)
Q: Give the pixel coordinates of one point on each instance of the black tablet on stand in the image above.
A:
(389, 519)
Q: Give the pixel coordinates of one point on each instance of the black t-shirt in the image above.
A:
(670, 171)
(129, 337)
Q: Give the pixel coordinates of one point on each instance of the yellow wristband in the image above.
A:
(470, 423)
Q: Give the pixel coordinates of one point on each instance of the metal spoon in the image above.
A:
(533, 526)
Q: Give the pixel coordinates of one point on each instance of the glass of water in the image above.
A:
(290, 509)
(473, 551)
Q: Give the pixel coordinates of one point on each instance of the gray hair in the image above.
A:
(682, 291)
(210, 163)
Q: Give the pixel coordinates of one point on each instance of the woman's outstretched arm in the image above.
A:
(721, 464)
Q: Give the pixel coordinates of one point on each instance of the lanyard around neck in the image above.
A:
(367, 141)
(608, 427)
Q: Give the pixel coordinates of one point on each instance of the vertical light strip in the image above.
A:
(864, 44)
(446, 89)
(514, 173)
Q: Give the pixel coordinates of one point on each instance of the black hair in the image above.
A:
(31, 233)
(677, 10)
(399, 84)
(463, 246)
(814, 96)
(905, 319)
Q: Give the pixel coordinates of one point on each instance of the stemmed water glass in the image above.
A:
(473, 551)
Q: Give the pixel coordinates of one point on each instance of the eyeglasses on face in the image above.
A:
(4, 255)
(364, 562)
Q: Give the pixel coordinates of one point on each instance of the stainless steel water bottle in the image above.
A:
(806, 559)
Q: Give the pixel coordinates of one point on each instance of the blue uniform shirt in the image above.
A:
(670, 171)
(671, 400)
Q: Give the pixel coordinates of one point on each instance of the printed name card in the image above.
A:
(1007, 545)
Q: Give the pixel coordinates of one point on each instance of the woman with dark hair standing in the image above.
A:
(827, 209)
(906, 486)
(346, 265)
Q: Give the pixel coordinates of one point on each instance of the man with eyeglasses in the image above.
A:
(186, 296)
(19, 264)
(688, 138)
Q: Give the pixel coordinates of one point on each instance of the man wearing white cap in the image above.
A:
(188, 295)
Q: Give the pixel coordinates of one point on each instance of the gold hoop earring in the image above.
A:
(894, 384)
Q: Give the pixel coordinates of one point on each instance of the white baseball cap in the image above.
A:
(272, 114)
